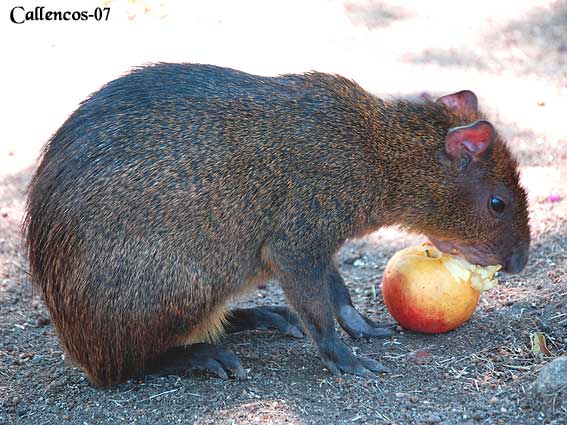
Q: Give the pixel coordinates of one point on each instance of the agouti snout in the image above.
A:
(175, 188)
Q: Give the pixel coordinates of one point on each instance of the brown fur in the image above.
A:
(176, 187)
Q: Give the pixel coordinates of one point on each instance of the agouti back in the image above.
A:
(175, 188)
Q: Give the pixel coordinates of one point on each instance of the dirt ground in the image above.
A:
(513, 54)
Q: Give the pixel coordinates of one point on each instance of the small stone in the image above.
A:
(493, 400)
(419, 357)
(42, 321)
(503, 410)
(552, 380)
(414, 399)
(21, 410)
(358, 263)
(352, 258)
(37, 358)
(478, 415)
(433, 419)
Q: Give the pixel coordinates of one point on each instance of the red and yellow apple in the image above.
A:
(426, 290)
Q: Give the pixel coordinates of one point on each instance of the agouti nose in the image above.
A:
(516, 262)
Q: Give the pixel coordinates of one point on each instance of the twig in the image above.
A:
(157, 395)
(511, 366)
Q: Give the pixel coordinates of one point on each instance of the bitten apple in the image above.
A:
(429, 291)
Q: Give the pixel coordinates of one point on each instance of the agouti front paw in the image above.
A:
(358, 326)
(204, 357)
(340, 358)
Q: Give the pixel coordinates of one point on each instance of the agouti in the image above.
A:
(178, 187)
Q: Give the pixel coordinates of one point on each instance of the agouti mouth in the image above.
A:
(474, 255)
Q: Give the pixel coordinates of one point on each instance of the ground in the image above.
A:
(512, 53)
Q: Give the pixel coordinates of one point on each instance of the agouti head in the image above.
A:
(474, 203)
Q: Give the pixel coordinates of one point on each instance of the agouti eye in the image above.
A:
(497, 205)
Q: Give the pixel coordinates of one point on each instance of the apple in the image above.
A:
(426, 290)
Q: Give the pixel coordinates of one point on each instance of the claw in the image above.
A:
(374, 365)
(266, 318)
(204, 357)
(294, 332)
(338, 357)
(358, 326)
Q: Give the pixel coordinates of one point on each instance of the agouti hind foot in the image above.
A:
(265, 318)
(201, 357)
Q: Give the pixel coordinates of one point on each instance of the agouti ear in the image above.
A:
(470, 141)
(464, 100)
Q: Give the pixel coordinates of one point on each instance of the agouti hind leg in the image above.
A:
(202, 356)
(264, 318)
(350, 319)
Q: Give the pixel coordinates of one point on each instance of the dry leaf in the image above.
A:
(539, 346)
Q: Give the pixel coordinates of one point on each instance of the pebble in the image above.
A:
(21, 410)
(419, 357)
(552, 379)
(478, 415)
(42, 321)
(37, 358)
(503, 410)
(352, 259)
(358, 263)
(432, 419)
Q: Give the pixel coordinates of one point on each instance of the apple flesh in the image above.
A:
(426, 290)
